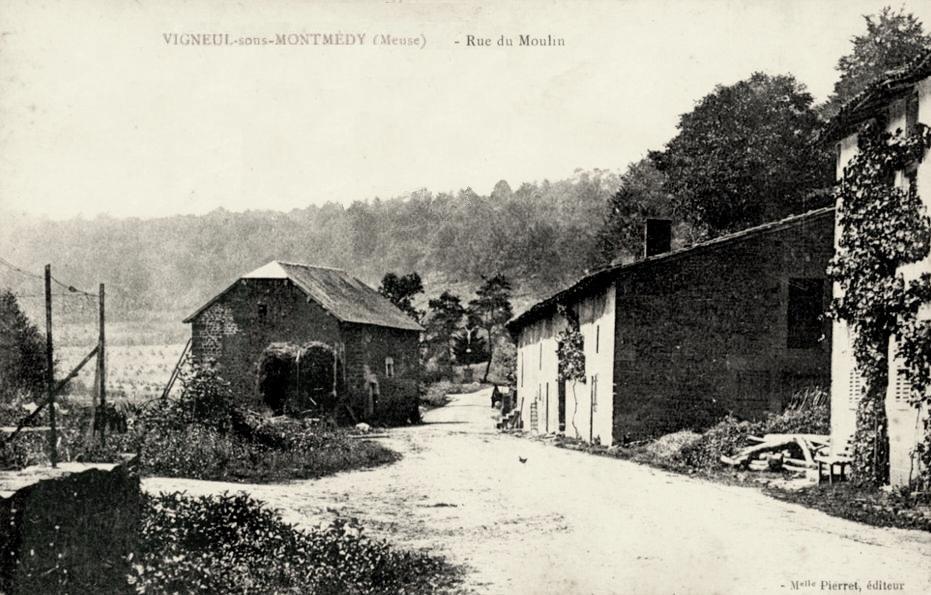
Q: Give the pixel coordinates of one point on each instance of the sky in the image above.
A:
(102, 113)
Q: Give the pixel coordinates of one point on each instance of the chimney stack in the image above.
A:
(657, 237)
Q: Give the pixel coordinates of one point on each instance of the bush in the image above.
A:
(28, 448)
(397, 404)
(724, 438)
(436, 394)
(234, 544)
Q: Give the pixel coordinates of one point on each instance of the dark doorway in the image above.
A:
(561, 390)
(299, 380)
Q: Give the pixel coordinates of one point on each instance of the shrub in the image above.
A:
(436, 394)
(28, 448)
(397, 404)
(234, 544)
(724, 438)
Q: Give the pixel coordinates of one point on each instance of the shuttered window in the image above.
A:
(854, 388)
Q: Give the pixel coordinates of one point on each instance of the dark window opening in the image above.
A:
(911, 178)
(911, 114)
(805, 313)
(263, 311)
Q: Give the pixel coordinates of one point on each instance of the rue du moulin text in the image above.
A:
(520, 40)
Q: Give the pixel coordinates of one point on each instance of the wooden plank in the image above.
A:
(819, 438)
(806, 451)
(800, 463)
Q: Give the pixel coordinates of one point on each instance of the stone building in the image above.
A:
(680, 338)
(899, 101)
(374, 345)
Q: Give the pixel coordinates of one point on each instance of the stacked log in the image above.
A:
(794, 453)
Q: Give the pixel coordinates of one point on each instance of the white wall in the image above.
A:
(537, 372)
(845, 382)
(906, 427)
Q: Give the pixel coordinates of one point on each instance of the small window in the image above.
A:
(902, 387)
(389, 367)
(805, 313)
(263, 312)
(837, 164)
(522, 369)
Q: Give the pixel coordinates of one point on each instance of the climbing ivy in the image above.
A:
(882, 228)
(570, 355)
(570, 348)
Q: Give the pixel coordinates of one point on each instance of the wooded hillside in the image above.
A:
(541, 235)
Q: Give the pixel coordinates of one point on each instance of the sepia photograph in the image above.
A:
(465, 297)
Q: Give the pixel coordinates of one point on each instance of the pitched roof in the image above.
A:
(876, 95)
(335, 290)
(605, 275)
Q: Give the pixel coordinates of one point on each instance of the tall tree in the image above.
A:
(443, 320)
(892, 39)
(401, 291)
(22, 352)
(491, 309)
(745, 155)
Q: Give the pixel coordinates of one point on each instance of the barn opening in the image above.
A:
(300, 380)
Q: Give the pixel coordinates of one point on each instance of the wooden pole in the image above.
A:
(49, 367)
(102, 366)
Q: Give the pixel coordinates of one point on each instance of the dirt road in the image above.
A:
(567, 522)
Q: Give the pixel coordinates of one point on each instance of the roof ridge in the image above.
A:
(309, 266)
(889, 77)
(713, 242)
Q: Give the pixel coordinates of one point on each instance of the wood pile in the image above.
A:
(793, 453)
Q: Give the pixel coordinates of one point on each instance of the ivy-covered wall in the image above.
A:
(882, 305)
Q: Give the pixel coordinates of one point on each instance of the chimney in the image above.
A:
(657, 237)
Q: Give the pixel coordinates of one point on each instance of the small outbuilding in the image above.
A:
(294, 337)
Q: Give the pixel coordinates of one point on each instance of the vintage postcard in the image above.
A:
(461, 296)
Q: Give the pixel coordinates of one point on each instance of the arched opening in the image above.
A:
(300, 379)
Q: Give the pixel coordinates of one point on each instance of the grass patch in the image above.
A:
(863, 504)
(235, 544)
(198, 452)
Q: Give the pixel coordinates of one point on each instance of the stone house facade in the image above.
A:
(377, 344)
(900, 101)
(679, 339)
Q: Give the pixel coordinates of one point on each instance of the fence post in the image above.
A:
(102, 367)
(49, 367)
